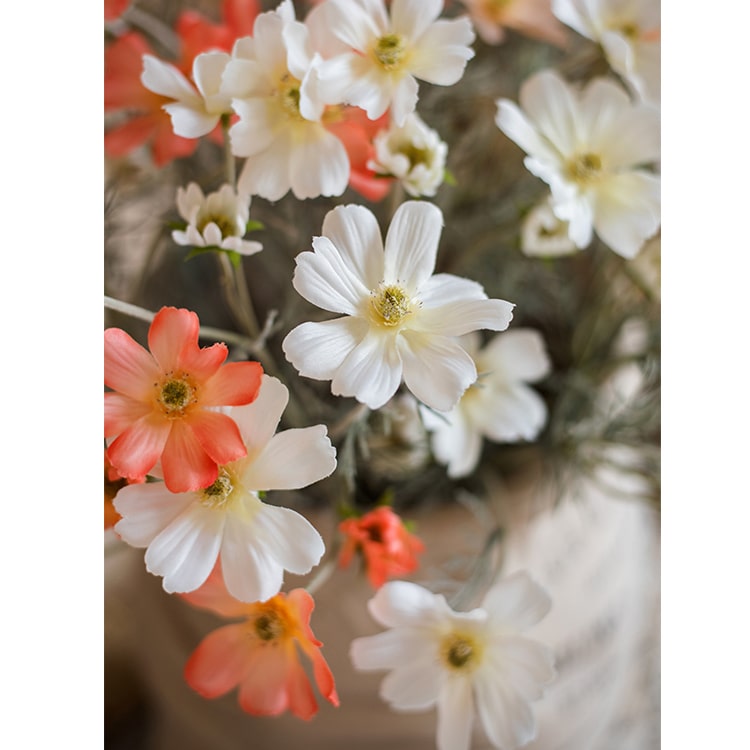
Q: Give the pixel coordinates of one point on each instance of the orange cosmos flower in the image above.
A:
(388, 549)
(260, 655)
(532, 18)
(163, 404)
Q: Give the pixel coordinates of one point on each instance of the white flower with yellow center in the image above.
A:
(216, 220)
(390, 52)
(466, 664)
(186, 533)
(412, 153)
(500, 406)
(629, 32)
(592, 146)
(543, 235)
(400, 321)
(196, 110)
(272, 79)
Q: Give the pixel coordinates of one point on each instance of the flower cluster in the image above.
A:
(368, 356)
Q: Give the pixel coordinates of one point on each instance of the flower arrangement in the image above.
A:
(399, 249)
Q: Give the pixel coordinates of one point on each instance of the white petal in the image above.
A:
(208, 68)
(270, 50)
(461, 317)
(519, 354)
(516, 602)
(506, 718)
(166, 80)
(509, 413)
(455, 714)
(243, 247)
(189, 121)
(391, 649)
(267, 173)
(412, 687)
(523, 664)
(256, 129)
(319, 164)
(442, 52)
(189, 201)
(401, 603)
(353, 25)
(404, 96)
(317, 350)
(522, 131)
(445, 287)
(410, 18)
(298, 54)
(245, 79)
(258, 420)
(455, 443)
(212, 234)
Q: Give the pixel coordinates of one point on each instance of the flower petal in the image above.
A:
(234, 384)
(264, 690)
(401, 603)
(464, 316)
(441, 53)
(523, 664)
(320, 165)
(120, 412)
(171, 331)
(184, 461)
(258, 421)
(291, 538)
(136, 450)
(218, 435)
(166, 80)
(128, 367)
(455, 714)
(413, 687)
(519, 354)
(457, 444)
(391, 649)
(516, 602)
(506, 718)
(191, 121)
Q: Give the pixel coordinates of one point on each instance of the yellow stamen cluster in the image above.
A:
(390, 51)
(227, 226)
(288, 94)
(216, 495)
(175, 394)
(269, 626)
(391, 305)
(584, 167)
(460, 651)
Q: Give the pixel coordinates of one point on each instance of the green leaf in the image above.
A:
(253, 226)
(448, 178)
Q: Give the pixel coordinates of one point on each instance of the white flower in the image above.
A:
(629, 32)
(186, 533)
(194, 113)
(543, 234)
(273, 81)
(399, 320)
(500, 406)
(217, 220)
(589, 146)
(465, 663)
(413, 153)
(389, 53)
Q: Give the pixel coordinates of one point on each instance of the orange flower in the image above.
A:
(389, 550)
(532, 18)
(113, 482)
(163, 404)
(260, 655)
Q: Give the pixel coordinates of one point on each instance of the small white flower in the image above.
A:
(194, 113)
(400, 321)
(217, 220)
(590, 146)
(500, 406)
(543, 235)
(272, 78)
(413, 153)
(465, 663)
(629, 32)
(186, 533)
(390, 52)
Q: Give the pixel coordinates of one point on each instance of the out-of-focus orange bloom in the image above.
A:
(389, 550)
(532, 18)
(261, 655)
(113, 9)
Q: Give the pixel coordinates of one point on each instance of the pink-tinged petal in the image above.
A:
(460, 317)
(128, 367)
(413, 687)
(402, 604)
(221, 661)
(263, 691)
(218, 435)
(234, 384)
(120, 412)
(214, 597)
(302, 701)
(258, 421)
(171, 331)
(324, 677)
(185, 464)
(135, 451)
(455, 714)
(202, 362)
(517, 602)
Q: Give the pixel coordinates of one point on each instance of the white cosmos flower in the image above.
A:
(412, 153)
(390, 52)
(186, 533)
(196, 110)
(466, 664)
(272, 80)
(543, 234)
(217, 220)
(589, 146)
(400, 321)
(499, 406)
(629, 32)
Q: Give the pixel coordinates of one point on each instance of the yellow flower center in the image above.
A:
(390, 51)
(585, 168)
(269, 626)
(391, 304)
(216, 495)
(288, 94)
(460, 651)
(415, 155)
(175, 394)
(227, 226)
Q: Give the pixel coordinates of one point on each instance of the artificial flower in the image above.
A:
(113, 9)
(272, 79)
(629, 32)
(261, 654)
(387, 547)
(500, 406)
(464, 663)
(543, 235)
(217, 220)
(186, 533)
(390, 51)
(532, 18)
(412, 153)
(589, 145)
(163, 404)
(113, 483)
(399, 320)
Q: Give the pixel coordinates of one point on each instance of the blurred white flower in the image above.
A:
(543, 234)
(194, 112)
(217, 220)
(465, 663)
(412, 153)
(389, 52)
(629, 32)
(272, 80)
(590, 146)
(499, 406)
(400, 321)
(187, 532)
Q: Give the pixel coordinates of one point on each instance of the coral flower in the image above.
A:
(532, 18)
(260, 655)
(388, 549)
(163, 405)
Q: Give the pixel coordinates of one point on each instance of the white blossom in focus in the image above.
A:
(543, 235)
(466, 664)
(400, 322)
(590, 146)
(500, 406)
(412, 153)
(217, 220)
(390, 51)
(196, 110)
(186, 533)
(629, 32)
